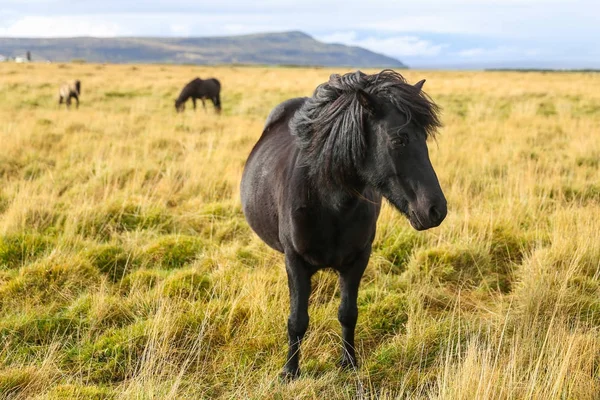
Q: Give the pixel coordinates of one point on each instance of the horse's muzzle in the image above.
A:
(428, 214)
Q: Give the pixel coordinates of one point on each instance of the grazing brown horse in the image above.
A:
(200, 89)
(68, 91)
(313, 184)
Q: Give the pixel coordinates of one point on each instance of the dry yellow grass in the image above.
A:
(127, 269)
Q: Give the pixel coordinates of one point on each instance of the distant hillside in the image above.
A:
(287, 48)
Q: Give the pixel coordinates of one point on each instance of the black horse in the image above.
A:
(313, 184)
(200, 89)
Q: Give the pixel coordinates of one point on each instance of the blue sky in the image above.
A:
(421, 33)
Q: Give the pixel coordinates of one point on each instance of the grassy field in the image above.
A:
(127, 270)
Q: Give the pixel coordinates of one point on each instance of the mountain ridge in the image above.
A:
(280, 48)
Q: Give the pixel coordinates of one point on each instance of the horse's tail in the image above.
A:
(78, 87)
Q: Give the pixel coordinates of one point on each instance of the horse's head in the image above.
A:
(179, 106)
(397, 123)
(362, 130)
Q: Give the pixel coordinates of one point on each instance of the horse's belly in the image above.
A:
(336, 258)
(258, 204)
(264, 224)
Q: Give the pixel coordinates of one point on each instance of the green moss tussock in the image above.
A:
(397, 248)
(112, 260)
(18, 249)
(172, 252)
(118, 218)
(190, 285)
(49, 281)
(114, 355)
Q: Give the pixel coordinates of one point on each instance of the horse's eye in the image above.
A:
(400, 140)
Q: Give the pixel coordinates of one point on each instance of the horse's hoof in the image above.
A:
(348, 365)
(287, 376)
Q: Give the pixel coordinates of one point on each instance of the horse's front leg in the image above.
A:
(348, 310)
(77, 102)
(299, 274)
(194, 102)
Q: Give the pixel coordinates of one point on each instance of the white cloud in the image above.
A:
(181, 29)
(440, 23)
(474, 52)
(339, 37)
(63, 26)
(400, 46)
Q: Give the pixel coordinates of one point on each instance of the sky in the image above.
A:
(420, 33)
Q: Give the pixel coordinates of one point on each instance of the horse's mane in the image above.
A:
(330, 125)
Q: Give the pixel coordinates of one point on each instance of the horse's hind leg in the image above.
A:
(77, 101)
(194, 102)
(298, 273)
(348, 310)
(60, 100)
(203, 103)
(217, 102)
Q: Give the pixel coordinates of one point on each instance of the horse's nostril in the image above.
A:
(434, 213)
(437, 214)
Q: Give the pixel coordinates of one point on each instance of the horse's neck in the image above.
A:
(324, 192)
(186, 94)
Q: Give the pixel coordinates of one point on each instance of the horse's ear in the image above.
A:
(367, 101)
(419, 85)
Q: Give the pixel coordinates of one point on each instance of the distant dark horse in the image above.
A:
(313, 184)
(200, 89)
(69, 90)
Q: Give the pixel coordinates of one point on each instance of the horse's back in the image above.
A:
(276, 130)
(287, 108)
(211, 87)
(202, 88)
(70, 88)
(63, 90)
(265, 172)
(215, 82)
